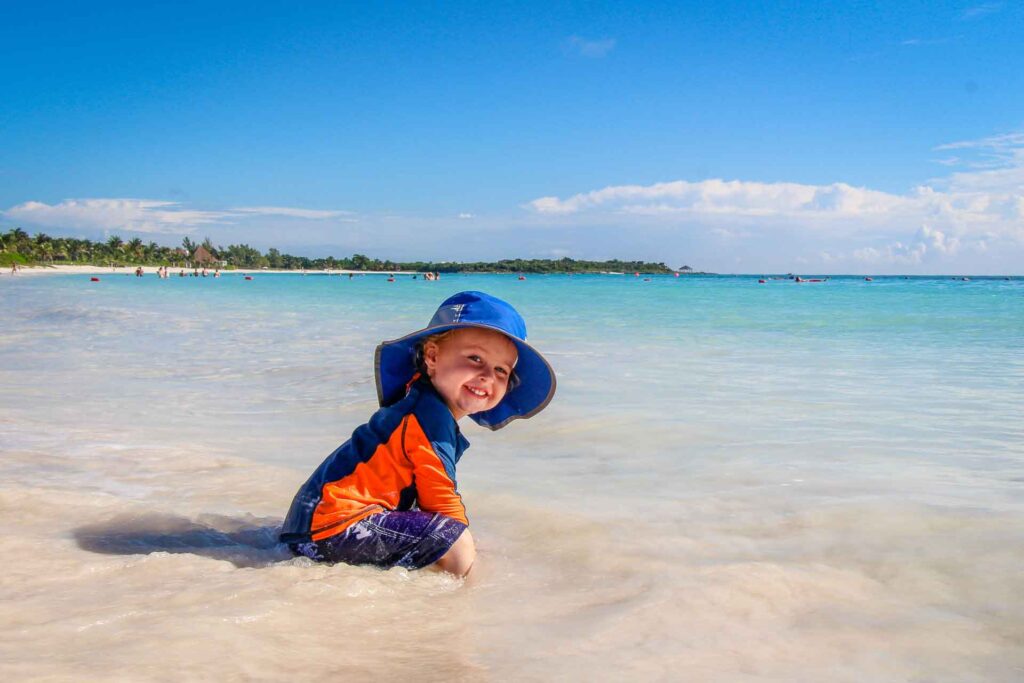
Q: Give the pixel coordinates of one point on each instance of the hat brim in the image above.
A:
(395, 365)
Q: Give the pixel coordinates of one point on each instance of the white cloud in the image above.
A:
(923, 42)
(984, 197)
(722, 197)
(894, 254)
(937, 241)
(994, 166)
(927, 245)
(312, 214)
(984, 9)
(150, 215)
(590, 48)
(730, 234)
(1000, 149)
(133, 215)
(970, 219)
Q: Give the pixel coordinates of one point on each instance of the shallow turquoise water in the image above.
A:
(881, 374)
(813, 465)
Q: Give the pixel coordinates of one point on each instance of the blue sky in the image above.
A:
(742, 137)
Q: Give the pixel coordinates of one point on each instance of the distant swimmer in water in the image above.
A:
(387, 497)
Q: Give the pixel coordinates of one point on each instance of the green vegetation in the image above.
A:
(564, 265)
(17, 245)
(6, 260)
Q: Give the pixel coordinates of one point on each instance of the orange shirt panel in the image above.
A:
(373, 485)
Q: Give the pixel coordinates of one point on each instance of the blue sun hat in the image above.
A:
(395, 361)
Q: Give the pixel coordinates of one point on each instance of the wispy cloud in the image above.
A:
(982, 10)
(586, 47)
(726, 197)
(466, 216)
(132, 215)
(151, 215)
(311, 214)
(997, 150)
(993, 168)
(923, 42)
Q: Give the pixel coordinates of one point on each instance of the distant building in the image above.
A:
(202, 257)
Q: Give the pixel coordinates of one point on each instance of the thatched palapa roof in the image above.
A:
(200, 255)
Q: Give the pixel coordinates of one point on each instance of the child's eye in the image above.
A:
(474, 358)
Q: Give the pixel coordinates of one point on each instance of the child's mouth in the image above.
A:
(479, 393)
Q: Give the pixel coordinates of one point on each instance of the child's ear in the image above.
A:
(430, 350)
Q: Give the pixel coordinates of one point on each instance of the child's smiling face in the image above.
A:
(470, 369)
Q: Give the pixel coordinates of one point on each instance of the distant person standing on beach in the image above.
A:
(387, 496)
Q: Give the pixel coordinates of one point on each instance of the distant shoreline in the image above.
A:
(64, 269)
(149, 270)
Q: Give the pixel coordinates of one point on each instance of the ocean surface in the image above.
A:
(735, 482)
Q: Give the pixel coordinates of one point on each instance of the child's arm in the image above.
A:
(434, 471)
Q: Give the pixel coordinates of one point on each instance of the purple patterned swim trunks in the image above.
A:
(413, 539)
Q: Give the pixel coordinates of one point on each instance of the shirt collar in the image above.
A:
(427, 389)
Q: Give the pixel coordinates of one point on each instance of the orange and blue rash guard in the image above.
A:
(405, 456)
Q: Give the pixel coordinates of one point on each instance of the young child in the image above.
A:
(388, 496)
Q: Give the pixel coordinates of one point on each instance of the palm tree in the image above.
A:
(17, 239)
(60, 248)
(134, 247)
(41, 239)
(75, 249)
(114, 246)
